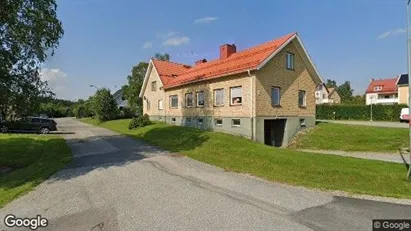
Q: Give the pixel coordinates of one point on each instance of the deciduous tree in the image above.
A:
(29, 33)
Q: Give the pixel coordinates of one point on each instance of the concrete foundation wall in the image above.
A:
(209, 123)
(292, 126)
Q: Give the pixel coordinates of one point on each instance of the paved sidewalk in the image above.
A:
(389, 157)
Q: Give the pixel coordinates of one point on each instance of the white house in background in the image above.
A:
(324, 95)
(119, 98)
(382, 91)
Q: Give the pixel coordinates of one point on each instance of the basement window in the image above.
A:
(302, 123)
(219, 122)
(173, 120)
(188, 120)
(200, 121)
(235, 122)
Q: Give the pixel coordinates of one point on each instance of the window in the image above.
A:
(290, 61)
(200, 99)
(160, 104)
(275, 96)
(148, 105)
(174, 101)
(302, 123)
(218, 122)
(377, 88)
(324, 96)
(235, 122)
(236, 95)
(200, 121)
(35, 120)
(189, 99)
(219, 97)
(301, 98)
(188, 120)
(154, 86)
(173, 120)
(123, 98)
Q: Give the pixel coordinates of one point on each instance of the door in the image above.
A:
(274, 132)
(34, 124)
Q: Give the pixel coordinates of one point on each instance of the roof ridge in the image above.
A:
(172, 62)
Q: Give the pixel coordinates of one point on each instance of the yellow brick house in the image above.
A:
(265, 92)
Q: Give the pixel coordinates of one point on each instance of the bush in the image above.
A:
(139, 122)
(125, 113)
(360, 112)
(104, 105)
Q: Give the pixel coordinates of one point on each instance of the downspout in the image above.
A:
(251, 105)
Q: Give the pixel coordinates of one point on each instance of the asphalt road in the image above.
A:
(385, 124)
(116, 183)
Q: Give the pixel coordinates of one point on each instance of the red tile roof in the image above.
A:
(168, 71)
(388, 86)
(238, 62)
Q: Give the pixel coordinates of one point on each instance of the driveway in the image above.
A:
(385, 124)
(117, 183)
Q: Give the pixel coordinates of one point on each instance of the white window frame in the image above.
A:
(231, 95)
(192, 99)
(279, 96)
(171, 101)
(377, 88)
(235, 125)
(160, 105)
(304, 99)
(215, 97)
(218, 124)
(289, 63)
(197, 98)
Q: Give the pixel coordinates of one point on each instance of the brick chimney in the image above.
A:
(226, 50)
(201, 61)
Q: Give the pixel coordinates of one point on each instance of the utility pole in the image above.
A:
(409, 81)
(371, 99)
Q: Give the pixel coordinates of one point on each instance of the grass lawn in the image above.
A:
(281, 165)
(33, 158)
(329, 136)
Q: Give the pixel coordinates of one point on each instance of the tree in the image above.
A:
(331, 83)
(29, 32)
(104, 105)
(163, 57)
(345, 91)
(135, 83)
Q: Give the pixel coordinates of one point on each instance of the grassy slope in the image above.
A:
(33, 159)
(328, 136)
(281, 165)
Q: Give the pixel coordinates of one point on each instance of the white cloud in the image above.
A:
(391, 33)
(166, 35)
(56, 79)
(176, 41)
(147, 45)
(205, 20)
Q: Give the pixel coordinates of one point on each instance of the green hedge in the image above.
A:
(360, 112)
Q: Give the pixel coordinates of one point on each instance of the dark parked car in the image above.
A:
(29, 124)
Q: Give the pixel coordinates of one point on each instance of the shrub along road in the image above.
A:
(122, 183)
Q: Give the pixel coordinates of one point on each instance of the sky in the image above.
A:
(348, 40)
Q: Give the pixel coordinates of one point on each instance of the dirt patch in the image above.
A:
(175, 154)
